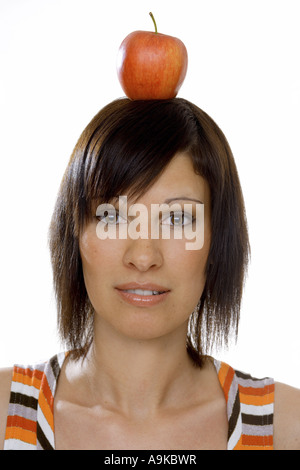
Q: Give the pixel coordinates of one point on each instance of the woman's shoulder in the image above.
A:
(27, 379)
(284, 401)
(286, 417)
(5, 386)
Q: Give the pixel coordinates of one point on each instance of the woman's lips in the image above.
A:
(145, 295)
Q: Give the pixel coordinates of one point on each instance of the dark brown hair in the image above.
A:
(123, 150)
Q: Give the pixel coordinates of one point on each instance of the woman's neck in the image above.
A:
(137, 377)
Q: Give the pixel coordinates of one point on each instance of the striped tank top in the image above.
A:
(30, 423)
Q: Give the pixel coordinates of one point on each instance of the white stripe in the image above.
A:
(257, 430)
(235, 436)
(61, 358)
(28, 390)
(46, 428)
(257, 410)
(232, 395)
(16, 444)
(217, 365)
(260, 383)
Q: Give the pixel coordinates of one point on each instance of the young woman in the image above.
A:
(138, 313)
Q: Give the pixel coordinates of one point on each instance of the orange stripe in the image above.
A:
(46, 409)
(20, 422)
(257, 400)
(47, 392)
(26, 380)
(223, 372)
(21, 435)
(258, 441)
(257, 448)
(254, 447)
(28, 372)
(239, 444)
(254, 443)
(257, 391)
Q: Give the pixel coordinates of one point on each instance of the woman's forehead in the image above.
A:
(178, 181)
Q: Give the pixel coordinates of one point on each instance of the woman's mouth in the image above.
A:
(143, 292)
(145, 296)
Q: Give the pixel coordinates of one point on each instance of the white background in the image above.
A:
(58, 69)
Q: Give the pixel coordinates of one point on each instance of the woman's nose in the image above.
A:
(143, 254)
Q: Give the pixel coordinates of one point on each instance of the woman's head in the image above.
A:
(125, 150)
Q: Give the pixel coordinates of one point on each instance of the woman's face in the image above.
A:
(145, 288)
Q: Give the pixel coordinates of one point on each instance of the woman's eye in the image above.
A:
(112, 218)
(178, 219)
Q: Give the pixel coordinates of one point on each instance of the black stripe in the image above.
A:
(261, 420)
(234, 415)
(42, 439)
(247, 376)
(55, 366)
(21, 399)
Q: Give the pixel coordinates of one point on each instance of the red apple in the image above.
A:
(151, 65)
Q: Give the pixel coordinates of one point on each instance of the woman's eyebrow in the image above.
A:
(182, 198)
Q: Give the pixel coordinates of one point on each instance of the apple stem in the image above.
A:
(151, 14)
